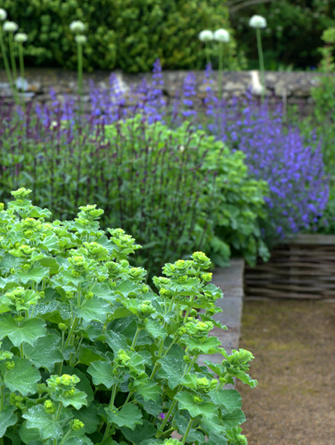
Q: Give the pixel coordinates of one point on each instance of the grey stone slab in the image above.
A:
(230, 281)
(231, 311)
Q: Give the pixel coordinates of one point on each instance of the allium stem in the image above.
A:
(221, 47)
(207, 50)
(12, 56)
(261, 61)
(21, 61)
(80, 68)
(21, 69)
(6, 63)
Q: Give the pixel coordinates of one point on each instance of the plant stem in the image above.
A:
(73, 328)
(21, 69)
(80, 68)
(111, 404)
(66, 436)
(135, 337)
(221, 46)
(12, 56)
(189, 426)
(57, 418)
(207, 49)
(80, 76)
(168, 416)
(191, 364)
(261, 61)
(6, 63)
(159, 356)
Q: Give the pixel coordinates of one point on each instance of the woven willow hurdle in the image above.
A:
(303, 269)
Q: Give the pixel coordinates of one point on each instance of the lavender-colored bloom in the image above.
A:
(275, 152)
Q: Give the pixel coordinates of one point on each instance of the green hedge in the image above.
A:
(126, 34)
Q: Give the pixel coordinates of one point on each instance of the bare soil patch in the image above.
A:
(294, 346)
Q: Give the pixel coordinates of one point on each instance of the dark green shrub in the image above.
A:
(127, 34)
(293, 34)
(91, 355)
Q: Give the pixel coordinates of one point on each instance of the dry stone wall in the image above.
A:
(290, 88)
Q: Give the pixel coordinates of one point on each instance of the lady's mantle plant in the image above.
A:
(91, 355)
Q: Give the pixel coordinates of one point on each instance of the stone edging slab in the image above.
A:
(230, 281)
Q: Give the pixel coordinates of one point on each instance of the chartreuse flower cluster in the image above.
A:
(90, 354)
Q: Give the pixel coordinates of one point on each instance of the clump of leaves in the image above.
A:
(91, 355)
(175, 190)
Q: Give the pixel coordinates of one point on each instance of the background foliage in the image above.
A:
(123, 34)
(293, 34)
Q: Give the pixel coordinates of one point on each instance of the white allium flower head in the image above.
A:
(80, 39)
(77, 26)
(3, 14)
(10, 26)
(257, 21)
(221, 35)
(206, 35)
(20, 37)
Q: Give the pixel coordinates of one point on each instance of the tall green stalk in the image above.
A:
(21, 69)
(208, 56)
(80, 68)
(221, 48)
(21, 61)
(261, 61)
(12, 55)
(6, 63)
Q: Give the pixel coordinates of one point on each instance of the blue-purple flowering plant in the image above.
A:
(273, 152)
(176, 190)
(89, 354)
(292, 166)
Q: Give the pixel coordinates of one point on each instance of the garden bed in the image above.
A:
(303, 269)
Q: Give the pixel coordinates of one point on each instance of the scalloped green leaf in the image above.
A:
(22, 378)
(208, 346)
(116, 341)
(128, 416)
(205, 409)
(148, 389)
(45, 352)
(140, 433)
(102, 373)
(29, 435)
(155, 329)
(28, 331)
(77, 400)
(172, 369)
(35, 273)
(90, 418)
(94, 309)
(44, 422)
(230, 399)
(7, 418)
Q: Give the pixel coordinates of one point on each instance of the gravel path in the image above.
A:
(294, 346)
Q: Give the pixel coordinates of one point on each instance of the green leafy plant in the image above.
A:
(92, 355)
(175, 191)
(121, 34)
